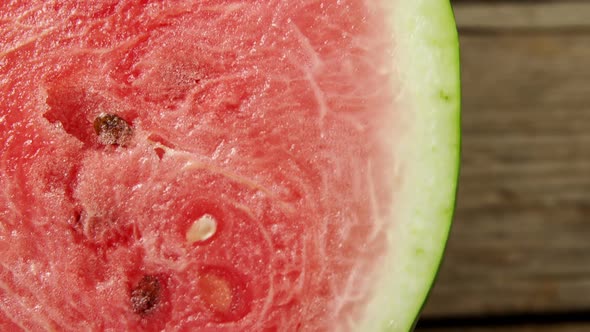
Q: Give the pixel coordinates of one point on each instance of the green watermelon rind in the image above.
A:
(426, 57)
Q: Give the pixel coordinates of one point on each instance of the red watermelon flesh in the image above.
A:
(190, 165)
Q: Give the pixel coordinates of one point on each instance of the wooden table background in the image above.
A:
(518, 257)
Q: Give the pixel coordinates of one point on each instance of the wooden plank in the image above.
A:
(521, 237)
(523, 14)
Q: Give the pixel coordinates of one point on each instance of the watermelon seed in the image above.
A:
(202, 229)
(112, 129)
(146, 295)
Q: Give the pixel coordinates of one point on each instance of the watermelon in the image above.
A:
(224, 165)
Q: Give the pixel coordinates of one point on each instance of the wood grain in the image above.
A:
(523, 14)
(521, 239)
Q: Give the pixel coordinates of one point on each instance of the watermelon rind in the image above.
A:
(426, 59)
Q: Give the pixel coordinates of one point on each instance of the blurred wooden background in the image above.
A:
(518, 258)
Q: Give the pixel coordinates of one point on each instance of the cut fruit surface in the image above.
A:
(224, 165)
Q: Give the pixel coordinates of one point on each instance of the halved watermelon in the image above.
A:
(224, 165)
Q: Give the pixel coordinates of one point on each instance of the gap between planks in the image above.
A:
(516, 322)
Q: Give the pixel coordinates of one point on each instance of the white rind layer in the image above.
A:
(426, 59)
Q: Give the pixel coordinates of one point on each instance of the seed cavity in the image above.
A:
(216, 292)
(145, 296)
(225, 293)
(202, 229)
(112, 129)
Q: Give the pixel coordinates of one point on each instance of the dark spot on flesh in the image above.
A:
(444, 96)
(77, 216)
(112, 129)
(160, 152)
(145, 296)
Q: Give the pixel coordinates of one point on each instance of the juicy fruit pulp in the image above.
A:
(189, 165)
(224, 165)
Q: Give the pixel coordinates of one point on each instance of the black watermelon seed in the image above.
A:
(112, 129)
(146, 295)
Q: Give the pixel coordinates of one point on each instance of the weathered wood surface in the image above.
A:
(523, 14)
(521, 239)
